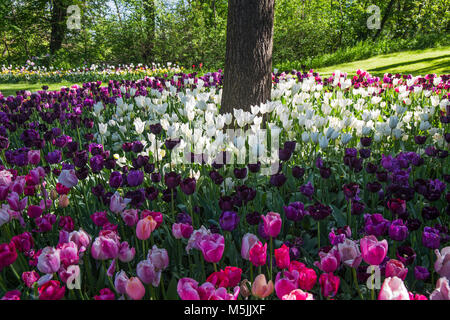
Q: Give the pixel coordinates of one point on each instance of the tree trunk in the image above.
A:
(248, 61)
(58, 25)
(385, 18)
(149, 13)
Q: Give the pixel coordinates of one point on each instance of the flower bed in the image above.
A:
(135, 190)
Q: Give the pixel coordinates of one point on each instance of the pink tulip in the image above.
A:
(105, 246)
(5, 178)
(68, 254)
(187, 289)
(15, 203)
(135, 289)
(373, 251)
(130, 217)
(298, 294)
(18, 185)
(329, 284)
(196, 237)
(182, 230)
(158, 257)
(258, 254)
(329, 261)
(34, 157)
(393, 288)
(147, 272)
(442, 264)
(260, 287)
(145, 227)
(30, 277)
(282, 257)
(126, 254)
(206, 291)
(272, 224)
(222, 294)
(212, 247)
(81, 239)
(49, 260)
(120, 282)
(395, 268)
(442, 291)
(350, 254)
(117, 203)
(417, 296)
(248, 241)
(286, 284)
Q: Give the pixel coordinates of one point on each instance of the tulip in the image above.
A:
(8, 254)
(373, 251)
(49, 260)
(286, 284)
(233, 275)
(30, 277)
(105, 246)
(51, 290)
(307, 277)
(182, 230)
(329, 284)
(350, 254)
(248, 241)
(159, 258)
(12, 295)
(117, 203)
(260, 287)
(68, 178)
(395, 268)
(442, 264)
(135, 289)
(442, 291)
(272, 224)
(145, 227)
(130, 217)
(120, 282)
(105, 294)
(258, 254)
(298, 294)
(212, 247)
(135, 178)
(147, 273)
(393, 288)
(329, 261)
(282, 257)
(68, 253)
(126, 254)
(4, 214)
(228, 220)
(188, 186)
(187, 289)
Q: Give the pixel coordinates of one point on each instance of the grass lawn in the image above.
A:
(417, 62)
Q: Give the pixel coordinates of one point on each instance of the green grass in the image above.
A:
(416, 62)
(8, 89)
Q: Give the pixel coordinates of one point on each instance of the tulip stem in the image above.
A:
(15, 272)
(355, 278)
(431, 264)
(349, 213)
(163, 289)
(251, 272)
(215, 267)
(318, 234)
(271, 258)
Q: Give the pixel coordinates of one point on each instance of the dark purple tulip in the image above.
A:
(115, 179)
(431, 238)
(137, 147)
(351, 191)
(170, 144)
(216, 177)
(127, 146)
(374, 186)
(319, 162)
(362, 273)
(420, 139)
(307, 190)
(278, 179)
(298, 172)
(382, 176)
(413, 224)
(295, 211)
(319, 211)
(149, 168)
(53, 157)
(229, 220)
(325, 172)
(137, 197)
(261, 231)
(82, 173)
(245, 193)
(183, 217)
(430, 213)
(156, 177)
(371, 168)
(240, 173)
(357, 207)
(98, 190)
(253, 218)
(214, 229)
(284, 154)
(172, 179)
(431, 151)
(375, 224)
(421, 273)
(351, 152)
(406, 255)
(398, 231)
(226, 203)
(96, 163)
(290, 145)
(254, 167)
(151, 193)
(447, 137)
(188, 186)
(155, 128)
(364, 153)
(366, 141)
(80, 158)
(4, 143)
(135, 178)
(167, 195)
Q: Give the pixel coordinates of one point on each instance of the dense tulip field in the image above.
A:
(140, 189)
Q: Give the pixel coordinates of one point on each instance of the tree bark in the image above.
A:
(149, 13)
(385, 18)
(58, 25)
(248, 61)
